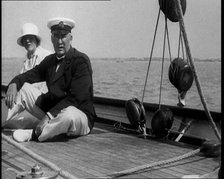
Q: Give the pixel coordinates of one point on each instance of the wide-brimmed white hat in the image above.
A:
(28, 29)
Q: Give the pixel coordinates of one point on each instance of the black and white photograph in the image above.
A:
(111, 89)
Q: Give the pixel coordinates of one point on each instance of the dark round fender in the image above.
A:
(169, 8)
(135, 112)
(181, 74)
(162, 121)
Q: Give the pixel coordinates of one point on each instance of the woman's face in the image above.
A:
(30, 43)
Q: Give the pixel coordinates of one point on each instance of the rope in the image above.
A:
(168, 40)
(182, 46)
(37, 157)
(119, 126)
(161, 79)
(178, 50)
(154, 164)
(195, 73)
(150, 59)
(180, 43)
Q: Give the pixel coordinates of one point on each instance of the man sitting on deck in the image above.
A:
(67, 107)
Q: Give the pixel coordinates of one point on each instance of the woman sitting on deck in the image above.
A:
(30, 40)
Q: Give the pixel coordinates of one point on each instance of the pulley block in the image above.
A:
(169, 8)
(135, 112)
(181, 74)
(161, 123)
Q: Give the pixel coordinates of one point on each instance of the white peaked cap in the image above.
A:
(61, 23)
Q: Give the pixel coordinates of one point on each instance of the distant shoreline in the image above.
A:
(134, 59)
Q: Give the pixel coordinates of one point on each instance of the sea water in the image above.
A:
(124, 78)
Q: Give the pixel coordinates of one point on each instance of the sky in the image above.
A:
(115, 28)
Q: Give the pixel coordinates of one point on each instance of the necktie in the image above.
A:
(58, 61)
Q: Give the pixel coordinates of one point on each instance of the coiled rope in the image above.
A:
(37, 157)
(154, 164)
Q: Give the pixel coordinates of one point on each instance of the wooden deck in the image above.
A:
(105, 151)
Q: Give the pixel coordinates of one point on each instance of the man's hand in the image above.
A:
(41, 125)
(11, 95)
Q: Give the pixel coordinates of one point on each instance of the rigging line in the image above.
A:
(168, 40)
(182, 46)
(178, 51)
(161, 79)
(200, 92)
(150, 59)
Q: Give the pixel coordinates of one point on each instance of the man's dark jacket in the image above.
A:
(72, 85)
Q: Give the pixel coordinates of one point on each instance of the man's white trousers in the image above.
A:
(70, 121)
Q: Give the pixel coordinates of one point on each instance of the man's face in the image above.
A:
(30, 43)
(61, 41)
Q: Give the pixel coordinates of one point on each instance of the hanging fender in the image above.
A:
(180, 74)
(162, 121)
(135, 112)
(169, 8)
